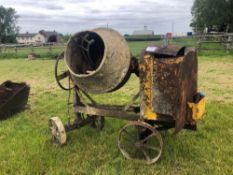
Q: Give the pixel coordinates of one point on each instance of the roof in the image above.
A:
(26, 34)
(47, 33)
(143, 32)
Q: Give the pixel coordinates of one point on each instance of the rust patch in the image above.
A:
(188, 84)
(166, 90)
(171, 60)
(147, 73)
(168, 86)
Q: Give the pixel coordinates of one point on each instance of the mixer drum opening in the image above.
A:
(85, 53)
(98, 60)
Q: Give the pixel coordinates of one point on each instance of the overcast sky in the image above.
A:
(70, 16)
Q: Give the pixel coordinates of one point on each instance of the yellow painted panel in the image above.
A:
(198, 109)
(148, 67)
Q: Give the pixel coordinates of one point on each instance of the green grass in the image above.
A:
(26, 148)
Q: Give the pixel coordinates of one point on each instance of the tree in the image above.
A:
(212, 14)
(65, 38)
(8, 28)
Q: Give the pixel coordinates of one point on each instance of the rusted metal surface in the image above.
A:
(109, 111)
(98, 60)
(140, 140)
(165, 51)
(146, 81)
(174, 83)
(166, 82)
(13, 98)
(187, 89)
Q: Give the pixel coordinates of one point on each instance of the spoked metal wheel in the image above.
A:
(57, 131)
(140, 140)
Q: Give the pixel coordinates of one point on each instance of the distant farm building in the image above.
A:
(144, 32)
(37, 38)
(143, 35)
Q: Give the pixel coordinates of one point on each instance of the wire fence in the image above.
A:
(22, 50)
(205, 44)
(215, 42)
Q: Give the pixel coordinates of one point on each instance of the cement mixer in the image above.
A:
(99, 61)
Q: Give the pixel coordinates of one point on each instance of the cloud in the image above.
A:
(69, 16)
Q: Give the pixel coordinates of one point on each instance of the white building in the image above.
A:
(144, 32)
(37, 38)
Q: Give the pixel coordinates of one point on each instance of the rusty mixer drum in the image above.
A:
(98, 60)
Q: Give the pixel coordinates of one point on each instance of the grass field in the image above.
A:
(26, 148)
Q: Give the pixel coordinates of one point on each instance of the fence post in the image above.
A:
(16, 51)
(50, 48)
(229, 42)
